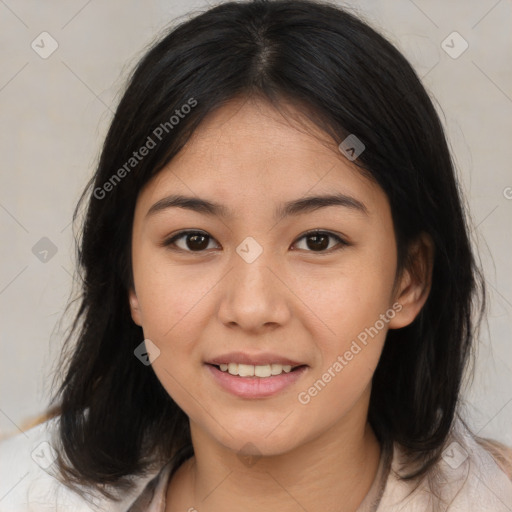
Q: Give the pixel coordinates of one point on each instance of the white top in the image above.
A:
(469, 475)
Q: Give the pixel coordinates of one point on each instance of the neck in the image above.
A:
(331, 472)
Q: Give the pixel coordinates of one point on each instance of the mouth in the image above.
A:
(255, 381)
(261, 370)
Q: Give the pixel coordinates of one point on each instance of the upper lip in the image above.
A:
(259, 359)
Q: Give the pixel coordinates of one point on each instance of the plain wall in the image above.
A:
(54, 113)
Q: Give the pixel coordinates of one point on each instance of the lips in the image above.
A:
(255, 387)
(253, 376)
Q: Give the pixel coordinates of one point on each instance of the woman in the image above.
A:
(278, 287)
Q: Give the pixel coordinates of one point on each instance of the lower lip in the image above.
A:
(255, 387)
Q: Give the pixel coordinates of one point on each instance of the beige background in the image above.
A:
(54, 113)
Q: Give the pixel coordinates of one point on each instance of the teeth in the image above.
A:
(249, 370)
(246, 370)
(263, 371)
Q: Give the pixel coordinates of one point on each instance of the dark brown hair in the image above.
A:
(115, 415)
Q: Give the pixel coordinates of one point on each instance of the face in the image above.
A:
(266, 280)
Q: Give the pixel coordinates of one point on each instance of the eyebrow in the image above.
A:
(290, 208)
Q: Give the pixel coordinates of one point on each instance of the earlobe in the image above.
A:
(416, 282)
(134, 307)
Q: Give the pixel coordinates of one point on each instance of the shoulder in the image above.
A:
(24, 481)
(481, 471)
(501, 453)
(27, 481)
(472, 475)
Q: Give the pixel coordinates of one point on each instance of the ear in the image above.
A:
(134, 307)
(415, 282)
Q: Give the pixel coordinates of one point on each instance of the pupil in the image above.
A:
(317, 244)
(195, 240)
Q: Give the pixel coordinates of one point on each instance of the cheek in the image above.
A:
(167, 294)
(353, 305)
(349, 350)
(350, 298)
(172, 318)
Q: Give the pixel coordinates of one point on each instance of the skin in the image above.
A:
(293, 300)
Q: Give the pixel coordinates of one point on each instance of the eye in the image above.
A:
(195, 241)
(318, 241)
(198, 241)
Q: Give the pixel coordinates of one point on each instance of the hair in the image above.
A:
(115, 416)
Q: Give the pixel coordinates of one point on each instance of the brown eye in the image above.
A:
(194, 241)
(318, 241)
(197, 241)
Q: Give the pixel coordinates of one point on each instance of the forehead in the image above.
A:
(252, 134)
(248, 149)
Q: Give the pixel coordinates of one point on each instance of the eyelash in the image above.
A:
(170, 242)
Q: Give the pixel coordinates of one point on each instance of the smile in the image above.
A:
(255, 381)
(250, 370)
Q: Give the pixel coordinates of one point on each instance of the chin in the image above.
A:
(258, 442)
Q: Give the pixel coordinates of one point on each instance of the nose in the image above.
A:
(254, 294)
